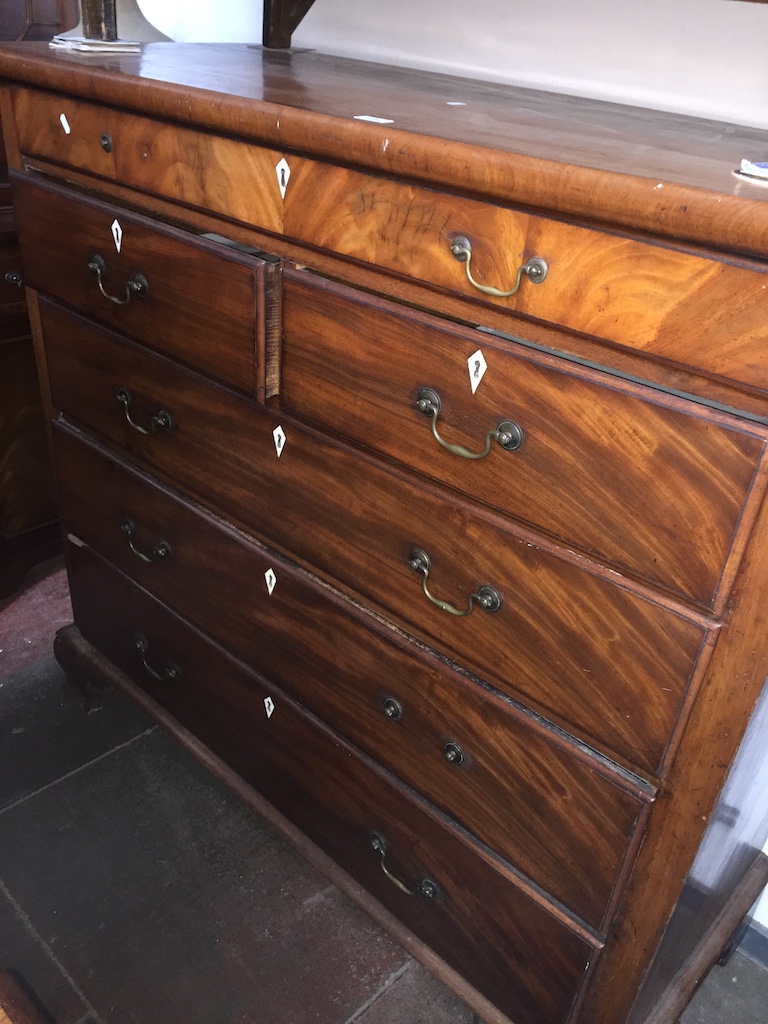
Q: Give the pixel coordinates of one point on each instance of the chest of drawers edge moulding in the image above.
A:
(606, 999)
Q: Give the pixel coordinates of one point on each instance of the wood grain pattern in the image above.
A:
(613, 666)
(734, 681)
(657, 267)
(622, 473)
(465, 309)
(577, 156)
(201, 304)
(219, 174)
(562, 819)
(696, 310)
(615, 288)
(504, 940)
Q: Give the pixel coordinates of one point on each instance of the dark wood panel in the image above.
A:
(564, 153)
(26, 479)
(613, 666)
(504, 939)
(559, 816)
(200, 300)
(603, 465)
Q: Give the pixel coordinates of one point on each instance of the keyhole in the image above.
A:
(279, 443)
(282, 176)
(477, 368)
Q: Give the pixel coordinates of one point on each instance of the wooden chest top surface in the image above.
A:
(660, 172)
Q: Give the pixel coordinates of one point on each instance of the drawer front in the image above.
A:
(596, 656)
(558, 818)
(603, 465)
(691, 309)
(201, 304)
(189, 167)
(505, 941)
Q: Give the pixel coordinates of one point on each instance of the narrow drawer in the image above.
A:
(598, 657)
(507, 941)
(693, 309)
(196, 301)
(652, 484)
(561, 818)
(188, 166)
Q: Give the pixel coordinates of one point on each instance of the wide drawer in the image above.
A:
(189, 166)
(685, 307)
(597, 656)
(651, 483)
(197, 301)
(517, 949)
(693, 309)
(561, 818)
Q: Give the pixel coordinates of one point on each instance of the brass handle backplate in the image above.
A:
(159, 552)
(170, 673)
(426, 887)
(535, 269)
(137, 285)
(486, 597)
(508, 434)
(161, 420)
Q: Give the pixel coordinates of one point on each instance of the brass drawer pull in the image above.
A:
(161, 420)
(535, 269)
(453, 753)
(488, 598)
(171, 672)
(426, 886)
(160, 551)
(392, 708)
(509, 435)
(138, 284)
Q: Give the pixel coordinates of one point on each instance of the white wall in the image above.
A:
(706, 57)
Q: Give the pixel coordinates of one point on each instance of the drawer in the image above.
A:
(598, 657)
(199, 302)
(559, 817)
(693, 309)
(652, 484)
(164, 159)
(505, 939)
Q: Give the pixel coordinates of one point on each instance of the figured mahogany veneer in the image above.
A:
(245, 474)
(649, 483)
(204, 303)
(606, 661)
(651, 297)
(565, 823)
(508, 945)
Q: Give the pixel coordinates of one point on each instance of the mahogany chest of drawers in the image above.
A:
(410, 437)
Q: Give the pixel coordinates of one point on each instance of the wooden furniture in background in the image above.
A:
(28, 528)
(36, 19)
(281, 19)
(16, 1005)
(466, 590)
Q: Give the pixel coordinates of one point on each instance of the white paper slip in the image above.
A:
(755, 169)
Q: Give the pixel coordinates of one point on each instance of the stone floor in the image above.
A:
(135, 889)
